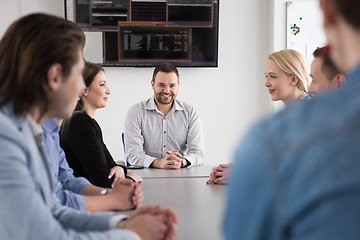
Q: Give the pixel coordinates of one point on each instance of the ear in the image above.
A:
(152, 84)
(294, 80)
(328, 10)
(340, 80)
(54, 76)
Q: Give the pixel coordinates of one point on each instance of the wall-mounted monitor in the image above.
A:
(146, 32)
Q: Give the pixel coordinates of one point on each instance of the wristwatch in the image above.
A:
(103, 192)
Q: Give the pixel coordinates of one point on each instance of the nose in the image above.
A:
(107, 90)
(167, 89)
(267, 83)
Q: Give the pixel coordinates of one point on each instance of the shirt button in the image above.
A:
(164, 131)
(164, 146)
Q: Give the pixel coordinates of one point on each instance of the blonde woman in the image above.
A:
(287, 77)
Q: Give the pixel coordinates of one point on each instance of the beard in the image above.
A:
(161, 100)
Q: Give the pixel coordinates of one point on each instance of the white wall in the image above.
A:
(229, 98)
(279, 32)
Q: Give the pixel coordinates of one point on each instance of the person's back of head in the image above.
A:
(27, 50)
(325, 75)
(342, 27)
(327, 67)
(292, 63)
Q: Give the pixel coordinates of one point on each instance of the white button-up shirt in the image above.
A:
(149, 134)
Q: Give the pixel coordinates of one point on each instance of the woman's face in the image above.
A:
(98, 92)
(279, 83)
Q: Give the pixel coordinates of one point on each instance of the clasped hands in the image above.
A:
(151, 222)
(172, 160)
(219, 175)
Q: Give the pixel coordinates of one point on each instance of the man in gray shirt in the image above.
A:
(163, 132)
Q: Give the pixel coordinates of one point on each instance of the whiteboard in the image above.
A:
(304, 27)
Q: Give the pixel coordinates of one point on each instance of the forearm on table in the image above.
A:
(139, 159)
(195, 159)
(90, 190)
(100, 203)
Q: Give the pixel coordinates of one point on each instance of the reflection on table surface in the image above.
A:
(200, 171)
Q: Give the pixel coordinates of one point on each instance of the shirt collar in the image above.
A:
(35, 129)
(150, 105)
(50, 126)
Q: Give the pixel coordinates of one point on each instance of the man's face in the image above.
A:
(165, 87)
(320, 83)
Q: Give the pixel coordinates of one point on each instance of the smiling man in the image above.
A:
(163, 132)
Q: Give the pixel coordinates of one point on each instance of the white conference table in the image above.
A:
(199, 205)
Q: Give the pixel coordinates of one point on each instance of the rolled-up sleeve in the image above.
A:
(134, 140)
(195, 140)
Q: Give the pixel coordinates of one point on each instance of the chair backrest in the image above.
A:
(123, 142)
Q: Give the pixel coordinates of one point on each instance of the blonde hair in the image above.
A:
(292, 63)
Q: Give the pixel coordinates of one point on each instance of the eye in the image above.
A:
(172, 85)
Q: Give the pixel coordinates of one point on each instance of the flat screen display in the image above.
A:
(145, 33)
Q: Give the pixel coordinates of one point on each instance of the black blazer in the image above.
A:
(82, 141)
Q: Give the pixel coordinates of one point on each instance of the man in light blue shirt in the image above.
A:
(41, 65)
(296, 175)
(77, 192)
(163, 132)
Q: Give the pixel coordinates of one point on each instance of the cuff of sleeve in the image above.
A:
(193, 160)
(81, 202)
(115, 219)
(148, 160)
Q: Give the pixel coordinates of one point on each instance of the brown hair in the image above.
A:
(166, 68)
(327, 68)
(349, 10)
(29, 47)
(89, 73)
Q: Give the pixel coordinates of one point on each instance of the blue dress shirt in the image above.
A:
(29, 208)
(296, 175)
(66, 185)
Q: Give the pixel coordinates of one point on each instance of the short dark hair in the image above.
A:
(328, 68)
(89, 73)
(29, 47)
(349, 10)
(166, 68)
